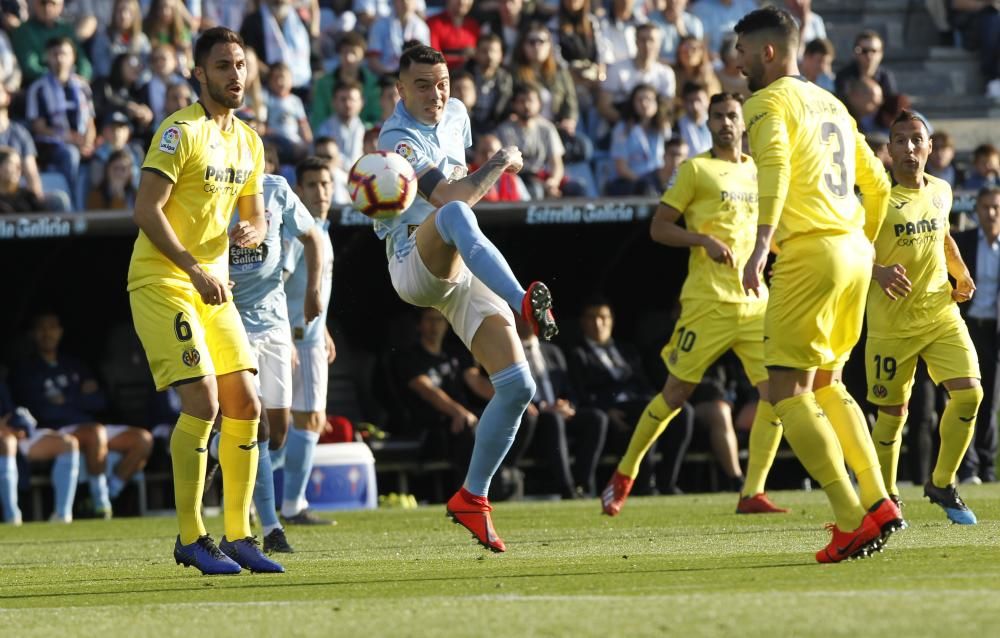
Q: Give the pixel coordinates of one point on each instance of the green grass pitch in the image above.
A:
(668, 566)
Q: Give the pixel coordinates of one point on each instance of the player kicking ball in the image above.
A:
(716, 192)
(913, 313)
(439, 258)
(202, 164)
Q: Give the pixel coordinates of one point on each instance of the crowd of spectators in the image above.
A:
(591, 91)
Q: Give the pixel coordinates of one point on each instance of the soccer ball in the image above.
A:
(382, 185)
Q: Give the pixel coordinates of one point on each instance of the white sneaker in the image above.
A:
(972, 480)
(55, 518)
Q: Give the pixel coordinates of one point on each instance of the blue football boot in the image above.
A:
(204, 555)
(952, 504)
(246, 552)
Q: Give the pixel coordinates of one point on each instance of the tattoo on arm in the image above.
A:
(952, 256)
(485, 177)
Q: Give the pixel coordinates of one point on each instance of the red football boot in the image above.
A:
(614, 495)
(758, 504)
(857, 544)
(473, 513)
(886, 516)
(536, 309)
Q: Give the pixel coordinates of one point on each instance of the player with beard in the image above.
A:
(716, 192)
(202, 164)
(809, 157)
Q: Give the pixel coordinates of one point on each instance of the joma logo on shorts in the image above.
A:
(915, 228)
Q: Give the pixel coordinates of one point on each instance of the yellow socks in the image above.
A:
(188, 452)
(815, 444)
(238, 460)
(887, 440)
(849, 423)
(765, 436)
(651, 424)
(958, 423)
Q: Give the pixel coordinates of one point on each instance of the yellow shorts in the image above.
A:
(817, 301)
(890, 362)
(707, 329)
(185, 338)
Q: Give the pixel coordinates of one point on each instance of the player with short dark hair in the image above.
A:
(716, 192)
(202, 164)
(917, 316)
(809, 157)
(439, 257)
(311, 338)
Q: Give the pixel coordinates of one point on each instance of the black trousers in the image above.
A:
(980, 459)
(551, 439)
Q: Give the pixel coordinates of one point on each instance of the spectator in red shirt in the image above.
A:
(454, 33)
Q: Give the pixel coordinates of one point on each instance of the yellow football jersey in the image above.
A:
(809, 158)
(913, 236)
(717, 198)
(210, 169)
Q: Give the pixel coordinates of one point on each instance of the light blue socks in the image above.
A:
(65, 472)
(263, 491)
(299, 450)
(498, 425)
(8, 489)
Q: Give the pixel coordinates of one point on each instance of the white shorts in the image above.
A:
(309, 379)
(24, 445)
(273, 349)
(464, 301)
(112, 430)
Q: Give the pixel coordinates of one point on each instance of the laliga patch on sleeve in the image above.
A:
(170, 140)
(406, 151)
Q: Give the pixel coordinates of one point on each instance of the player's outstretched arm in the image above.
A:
(964, 286)
(665, 230)
(471, 188)
(154, 190)
(312, 248)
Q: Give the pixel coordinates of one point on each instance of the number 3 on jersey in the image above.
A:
(837, 176)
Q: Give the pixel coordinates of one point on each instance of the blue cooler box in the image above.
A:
(343, 477)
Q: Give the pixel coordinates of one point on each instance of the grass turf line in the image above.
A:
(681, 566)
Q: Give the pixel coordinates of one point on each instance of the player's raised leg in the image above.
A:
(452, 232)
(497, 346)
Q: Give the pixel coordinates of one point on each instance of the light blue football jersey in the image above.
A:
(258, 293)
(312, 333)
(441, 146)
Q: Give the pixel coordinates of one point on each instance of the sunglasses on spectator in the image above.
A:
(537, 41)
